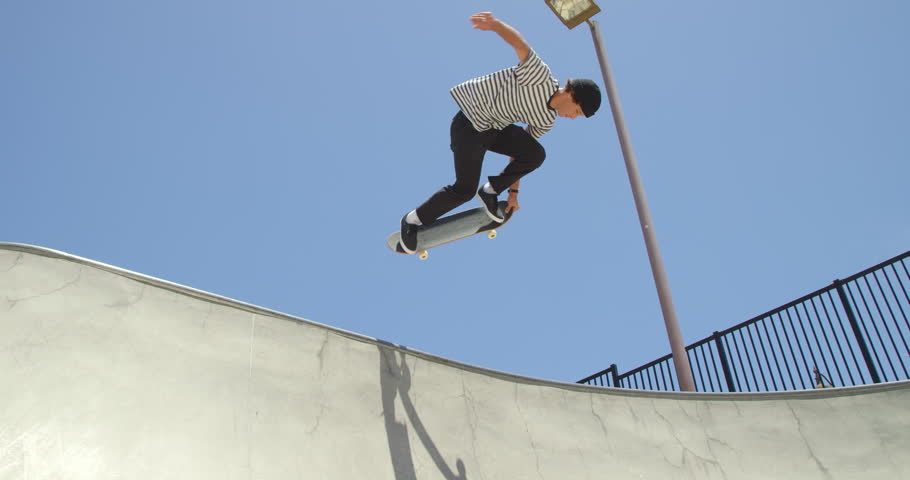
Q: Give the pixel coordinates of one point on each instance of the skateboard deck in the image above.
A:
(450, 228)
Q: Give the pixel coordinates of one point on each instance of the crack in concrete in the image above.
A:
(13, 302)
(320, 355)
(805, 440)
(130, 300)
(710, 441)
(686, 451)
(17, 259)
(472, 417)
(527, 428)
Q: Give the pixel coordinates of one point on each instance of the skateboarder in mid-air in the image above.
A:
(490, 105)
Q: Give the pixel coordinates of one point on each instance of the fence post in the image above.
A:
(615, 376)
(724, 364)
(851, 316)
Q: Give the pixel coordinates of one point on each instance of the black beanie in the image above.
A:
(586, 94)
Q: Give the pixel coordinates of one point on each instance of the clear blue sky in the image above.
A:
(263, 151)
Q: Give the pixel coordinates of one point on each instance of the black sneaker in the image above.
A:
(408, 236)
(491, 205)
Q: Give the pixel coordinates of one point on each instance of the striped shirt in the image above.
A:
(515, 94)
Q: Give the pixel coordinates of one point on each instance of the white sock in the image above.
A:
(489, 189)
(413, 219)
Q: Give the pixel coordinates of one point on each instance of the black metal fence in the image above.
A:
(853, 332)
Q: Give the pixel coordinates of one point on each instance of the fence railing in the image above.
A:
(853, 332)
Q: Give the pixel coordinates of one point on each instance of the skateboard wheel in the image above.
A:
(423, 255)
(491, 234)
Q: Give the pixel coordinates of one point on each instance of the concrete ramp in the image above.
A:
(108, 374)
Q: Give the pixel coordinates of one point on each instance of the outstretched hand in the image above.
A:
(484, 21)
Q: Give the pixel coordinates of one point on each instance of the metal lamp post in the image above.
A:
(573, 13)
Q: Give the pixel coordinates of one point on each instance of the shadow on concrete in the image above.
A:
(395, 381)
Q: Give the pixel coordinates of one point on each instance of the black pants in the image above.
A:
(469, 147)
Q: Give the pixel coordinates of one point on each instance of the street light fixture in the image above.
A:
(573, 13)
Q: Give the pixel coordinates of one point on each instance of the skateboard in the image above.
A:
(450, 228)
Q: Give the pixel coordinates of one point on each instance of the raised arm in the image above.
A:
(486, 21)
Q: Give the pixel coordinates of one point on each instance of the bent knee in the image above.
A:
(461, 193)
(536, 156)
